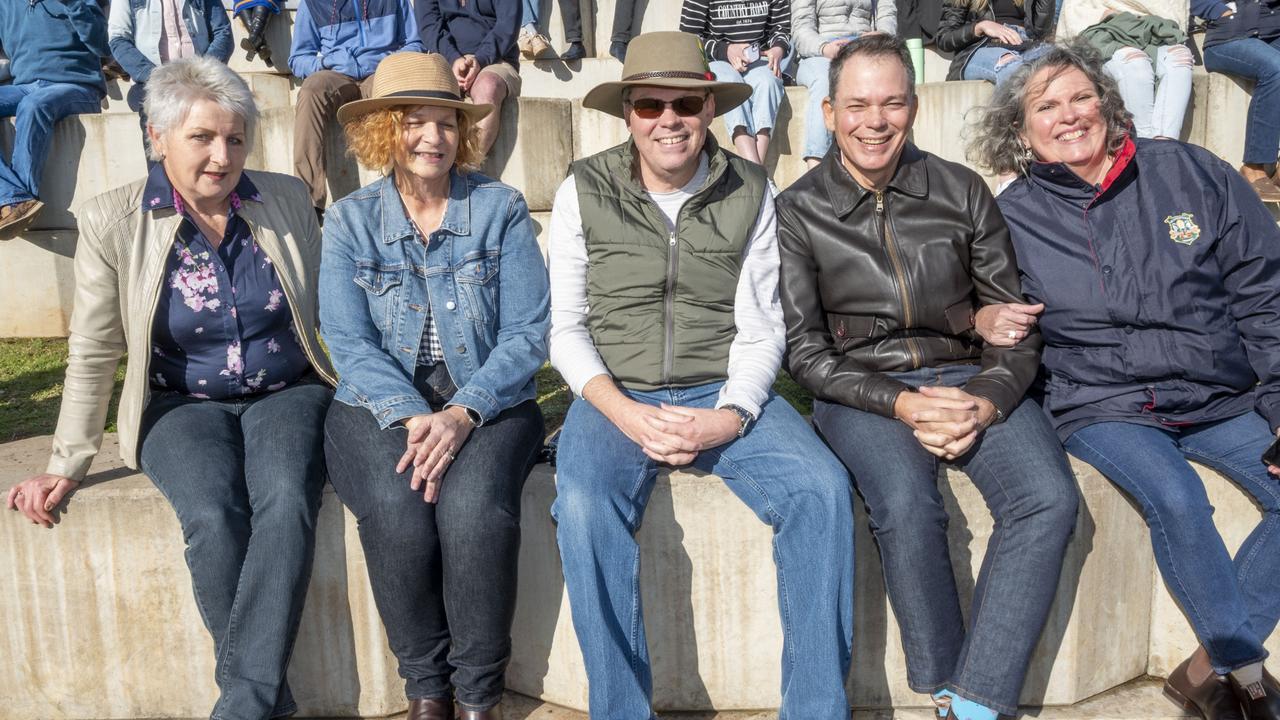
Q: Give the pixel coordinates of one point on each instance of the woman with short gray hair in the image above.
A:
(1157, 271)
(205, 274)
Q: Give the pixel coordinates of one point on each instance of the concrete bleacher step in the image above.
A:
(109, 588)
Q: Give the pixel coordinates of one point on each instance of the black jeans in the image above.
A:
(443, 575)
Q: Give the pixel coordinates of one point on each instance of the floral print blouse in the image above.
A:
(223, 328)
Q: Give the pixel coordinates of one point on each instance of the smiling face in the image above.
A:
(1063, 122)
(870, 112)
(668, 145)
(205, 155)
(430, 135)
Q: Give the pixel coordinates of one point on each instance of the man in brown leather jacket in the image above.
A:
(886, 253)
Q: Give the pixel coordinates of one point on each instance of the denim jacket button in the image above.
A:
(450, 305)
(462, 349)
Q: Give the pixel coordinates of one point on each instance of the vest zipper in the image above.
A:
(900, 277)
(668, 311)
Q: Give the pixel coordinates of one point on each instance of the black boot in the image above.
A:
(1212, 700)
(1261, 700)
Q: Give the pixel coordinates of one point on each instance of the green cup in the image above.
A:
(916, 47)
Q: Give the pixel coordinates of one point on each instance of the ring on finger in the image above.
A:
(1013, 334)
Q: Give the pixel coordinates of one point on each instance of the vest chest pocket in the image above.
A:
(477, 279)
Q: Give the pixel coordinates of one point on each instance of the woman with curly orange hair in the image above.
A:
(435, 312)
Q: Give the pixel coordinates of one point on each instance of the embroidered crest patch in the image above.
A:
(1183, 228)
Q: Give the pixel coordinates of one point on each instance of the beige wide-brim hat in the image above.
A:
(668, 60)
(412, 78)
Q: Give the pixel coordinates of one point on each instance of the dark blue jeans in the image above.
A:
(1233, 604)
(443, 575)
(1022, 473)
(244, 477)
(1259, 61)
(36, 107)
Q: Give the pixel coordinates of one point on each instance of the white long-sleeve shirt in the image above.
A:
(756, 352)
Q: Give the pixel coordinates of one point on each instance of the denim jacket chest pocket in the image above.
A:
(383, 284)
(476, 276)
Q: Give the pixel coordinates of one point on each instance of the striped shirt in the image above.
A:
(720, 23)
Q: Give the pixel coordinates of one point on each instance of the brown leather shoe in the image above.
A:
(493, 713)
(1211, 700)
(1261, 701)
(430, 709)
(1266, 189)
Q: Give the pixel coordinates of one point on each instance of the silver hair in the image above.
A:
(996, 135)
(175, 87)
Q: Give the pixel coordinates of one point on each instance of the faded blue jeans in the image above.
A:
(1233, 603)
(814, 73)
(244, 478)
(1022, 473)
(1157, 94)
(760, 111)
(782, 471)
(984, 63)
(36, 108)
(1253, 59)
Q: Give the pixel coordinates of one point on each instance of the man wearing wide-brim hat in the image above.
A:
(667, 326)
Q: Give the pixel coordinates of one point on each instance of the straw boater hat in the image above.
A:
(412, 78)
(669, 60)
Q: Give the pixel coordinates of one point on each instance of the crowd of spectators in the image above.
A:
(56, 52)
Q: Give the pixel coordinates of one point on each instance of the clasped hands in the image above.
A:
(465, 70)
(674, 434)
(945, 420)
(434, 440)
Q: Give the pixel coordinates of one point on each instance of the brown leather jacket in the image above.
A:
(878, 282)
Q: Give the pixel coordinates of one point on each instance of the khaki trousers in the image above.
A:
(319, 98)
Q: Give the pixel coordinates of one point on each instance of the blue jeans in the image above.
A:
(1259, 61)
(529, 13)
(781, 470)
(36, 107)
(813, 73)
(984, 63)
(760, 110)
(1156, 94)
(1022, 473)
(244, 477)
(1233, 605)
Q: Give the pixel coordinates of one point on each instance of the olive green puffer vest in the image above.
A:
(661, 303)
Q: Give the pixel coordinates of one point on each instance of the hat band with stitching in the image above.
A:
(437, 94)
(668, 75)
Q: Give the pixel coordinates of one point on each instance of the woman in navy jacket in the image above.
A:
(1159, 272)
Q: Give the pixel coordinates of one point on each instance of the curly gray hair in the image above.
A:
(996, 135)
(175, 87)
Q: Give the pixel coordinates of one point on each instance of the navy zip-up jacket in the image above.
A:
(484, 28)
(1161, 289)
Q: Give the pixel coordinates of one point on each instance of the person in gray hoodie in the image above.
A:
(819, 28)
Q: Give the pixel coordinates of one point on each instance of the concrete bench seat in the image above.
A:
(108, 589)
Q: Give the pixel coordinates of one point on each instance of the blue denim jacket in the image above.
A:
(481, 275)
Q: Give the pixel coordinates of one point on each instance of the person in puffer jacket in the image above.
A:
(1159, 274)
(819, 28)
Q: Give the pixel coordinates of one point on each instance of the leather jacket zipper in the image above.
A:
(900, 277)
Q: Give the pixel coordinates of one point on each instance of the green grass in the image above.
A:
(31, 372)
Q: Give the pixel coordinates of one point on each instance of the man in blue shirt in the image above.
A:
(337, 44)
(479, 39)
(56, 49)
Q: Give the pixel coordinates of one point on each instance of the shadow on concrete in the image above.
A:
(326, 646)
(669, 622)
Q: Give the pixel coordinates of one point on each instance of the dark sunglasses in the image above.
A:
(651, 108)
